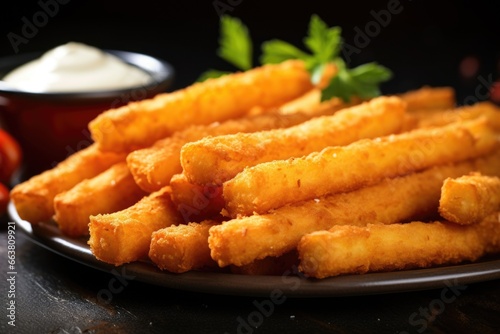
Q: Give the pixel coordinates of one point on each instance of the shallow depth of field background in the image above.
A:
(453, 43)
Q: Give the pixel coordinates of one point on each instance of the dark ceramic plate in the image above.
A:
(290, 285)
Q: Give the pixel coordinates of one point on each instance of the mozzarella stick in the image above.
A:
(125, 236)
(470, 198)
(416, 196)
(195, 202)
(182, 248)
(377, 248)
(443, 117)
(34, 198)
(338, 169)
(430, 98)
(306, 101)
(214, 160)
(154, 166)
(140, 124)
(112, 190)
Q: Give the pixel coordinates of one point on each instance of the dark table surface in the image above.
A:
(54, 294)
(427, 42)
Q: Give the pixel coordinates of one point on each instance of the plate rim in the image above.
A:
(291, 284)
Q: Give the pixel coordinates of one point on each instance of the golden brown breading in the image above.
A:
(125, 236)
(34, 198)
(336, 169)
(112, 190)
(154, 166)
(430, 98)
(181, 248)
(214, 160)
(470, 198)
(374, 248)
(140, 124)
(443, 117)
(416, 196)
(196, 202)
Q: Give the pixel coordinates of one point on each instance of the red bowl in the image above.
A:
(51, 126)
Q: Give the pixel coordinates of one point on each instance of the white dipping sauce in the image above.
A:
(76, 67)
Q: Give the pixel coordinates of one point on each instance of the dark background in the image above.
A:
(425, 44)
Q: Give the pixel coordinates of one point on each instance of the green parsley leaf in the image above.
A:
(235, 43)
(324, 42)
(276, 51)
(371, 73)
(362, 81)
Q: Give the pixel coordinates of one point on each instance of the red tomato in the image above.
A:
(495, 92)
(10, 156)
(4, 198)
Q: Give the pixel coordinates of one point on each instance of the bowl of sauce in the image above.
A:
(47, 99)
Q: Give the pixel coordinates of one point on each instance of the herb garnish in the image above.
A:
(323, 44)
